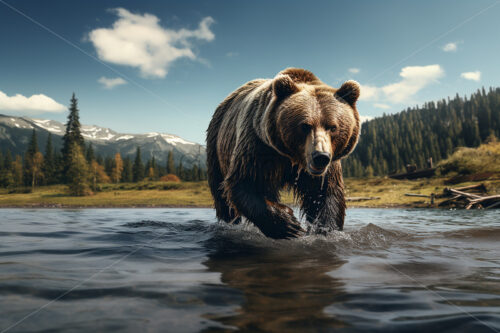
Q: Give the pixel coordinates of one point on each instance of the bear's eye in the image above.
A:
(332, 128)
(306, 128)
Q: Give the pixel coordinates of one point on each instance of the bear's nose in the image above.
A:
(320, 159)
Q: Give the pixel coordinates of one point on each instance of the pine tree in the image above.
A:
(49, 162)
(127, 175)
(89, 154)
(170, 163)
(180, 171)
(117, 168)
(7, 161)
(6, 176)
(109, 164)
(146, 169)
(58, 175)
(78, 172)
(33, 144)
(36, 169)
(73, 136)
(30, 169)
(17, 171)
(138, 168)
(155, 169)
(195, 173)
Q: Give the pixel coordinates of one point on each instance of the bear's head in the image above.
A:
(315, 124)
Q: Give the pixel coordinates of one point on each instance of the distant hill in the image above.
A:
(15, 133)
(434, 130)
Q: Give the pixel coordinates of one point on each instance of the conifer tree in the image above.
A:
(138, 168)
(78, 172)
(147, 168)
(7, 161)
(29, 160)
(36, 169)
(49, 162)
(117, 168)
(109, 164)
(154, 168)
(17, 171)
(89, 154)
(170, 163)
(195, 173)
(180, 170)
(127, 176)
(73, 136)
(6, 177)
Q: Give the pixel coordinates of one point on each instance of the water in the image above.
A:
(177, 270)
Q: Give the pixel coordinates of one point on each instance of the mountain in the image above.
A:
(15, 133)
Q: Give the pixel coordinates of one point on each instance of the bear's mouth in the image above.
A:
(315, 171)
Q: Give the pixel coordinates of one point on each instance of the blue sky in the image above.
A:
(164, 66)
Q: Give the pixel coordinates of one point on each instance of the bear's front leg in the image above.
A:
(272, 218)
(322, 200)
(325, 211)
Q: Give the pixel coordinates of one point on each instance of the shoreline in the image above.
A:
(364, 193)
(139, 206)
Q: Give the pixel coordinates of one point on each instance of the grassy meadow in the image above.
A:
(389, 193)
(466, 166)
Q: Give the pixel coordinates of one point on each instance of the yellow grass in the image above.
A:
(187, 194)
(485, 158)
(197, 194)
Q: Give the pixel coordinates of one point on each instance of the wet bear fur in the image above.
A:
(262, 139)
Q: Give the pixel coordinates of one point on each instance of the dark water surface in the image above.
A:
(177, 270)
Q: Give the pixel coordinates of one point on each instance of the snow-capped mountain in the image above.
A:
(15, 133)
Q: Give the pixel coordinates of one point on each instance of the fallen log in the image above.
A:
(460, 198)
(477, 187)
(361, 198)
(465, 194)
(417, 195)
(481, 199)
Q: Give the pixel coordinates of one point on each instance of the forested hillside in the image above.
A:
(434, 130)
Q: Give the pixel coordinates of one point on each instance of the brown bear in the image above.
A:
(287, 132)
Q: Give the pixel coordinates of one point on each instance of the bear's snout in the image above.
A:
(320, 159)
(319, 162)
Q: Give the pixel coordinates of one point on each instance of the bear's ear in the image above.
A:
(283, 86)
(349, 92)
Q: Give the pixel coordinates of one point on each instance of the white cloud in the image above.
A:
(450, 47)
(474, 76)
(362, 119)
(415, 78)
(382, 106)
(354, 70)
(110, 83)
(139, 41)
(31, 105)
(368, 93)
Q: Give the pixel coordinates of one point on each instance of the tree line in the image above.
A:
(77, 165)
(387, 144)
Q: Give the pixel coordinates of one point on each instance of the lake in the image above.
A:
(178, 270)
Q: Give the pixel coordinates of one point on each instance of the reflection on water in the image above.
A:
(283, 291)
(177, 270)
